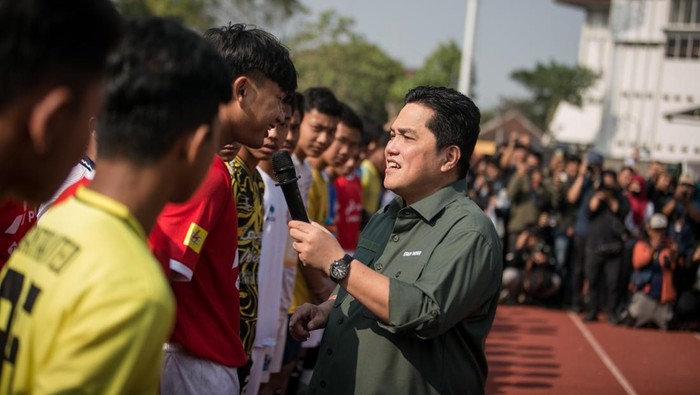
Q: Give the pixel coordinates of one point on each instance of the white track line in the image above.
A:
(602, 354)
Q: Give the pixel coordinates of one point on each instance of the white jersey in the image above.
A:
(303, 170)
(270, 269)
(85, 168)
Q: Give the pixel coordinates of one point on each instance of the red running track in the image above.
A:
(532, 350)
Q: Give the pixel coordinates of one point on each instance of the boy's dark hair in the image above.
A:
(455, 122)
(248, 50)
(372, 131)
(349, 117)
(322, 100)
(383, 139)
(163, 81)
(298, 102)
(49, 43)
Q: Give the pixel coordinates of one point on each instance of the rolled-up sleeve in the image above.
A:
(457, 281)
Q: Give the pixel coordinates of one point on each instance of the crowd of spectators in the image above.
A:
(586, 235)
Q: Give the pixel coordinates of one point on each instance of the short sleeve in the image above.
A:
(182, 229)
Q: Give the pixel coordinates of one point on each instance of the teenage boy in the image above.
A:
(51, 81)
(89, 308)
(197, 240)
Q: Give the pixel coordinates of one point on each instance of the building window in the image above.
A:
(685, 12)
(683, 45)
(671, 46)
(697, 150)
(684, 149)
(671, 148)
(658, 147)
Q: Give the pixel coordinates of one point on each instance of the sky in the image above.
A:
(510, 34)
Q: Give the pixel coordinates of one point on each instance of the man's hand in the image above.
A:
(316, 246)
(309, 317)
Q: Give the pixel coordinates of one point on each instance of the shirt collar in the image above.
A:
(110, 206)
(432, 205)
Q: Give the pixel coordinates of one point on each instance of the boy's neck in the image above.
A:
(266, 167)
(248, 158)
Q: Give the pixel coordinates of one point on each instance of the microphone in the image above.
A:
(286, 176)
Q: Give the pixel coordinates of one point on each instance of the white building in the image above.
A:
(647, 53)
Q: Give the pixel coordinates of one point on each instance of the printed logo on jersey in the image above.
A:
(26, 218)
(195, 237)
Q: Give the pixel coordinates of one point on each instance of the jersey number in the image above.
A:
(11, 290)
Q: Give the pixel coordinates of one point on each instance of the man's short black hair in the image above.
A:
(455, 122)
(248, 50)
(322, 100)
(49, 43)
(163, 81)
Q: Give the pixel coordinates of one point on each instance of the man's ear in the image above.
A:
(450, 160)
(43, 114)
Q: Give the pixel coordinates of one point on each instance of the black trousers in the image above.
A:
(599, 266)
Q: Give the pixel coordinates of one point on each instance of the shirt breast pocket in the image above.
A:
(407, 269)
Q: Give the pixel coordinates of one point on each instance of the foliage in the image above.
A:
(199, 14)
(329, 53)
(440, 69)
(550, 84)
(260, 12)
(193, 13)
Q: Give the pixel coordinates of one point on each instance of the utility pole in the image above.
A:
(465, 68)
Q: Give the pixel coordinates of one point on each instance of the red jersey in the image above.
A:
(348, 210)
(70, 190)
(16, 219)
(198, 240)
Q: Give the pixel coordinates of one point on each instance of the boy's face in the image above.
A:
(229, 151)
(316, 133)
(275, 138)
(290, 143)
(345, 145)
(255, 109)
(349, 166)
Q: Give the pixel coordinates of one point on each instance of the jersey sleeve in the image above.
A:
(183, 229)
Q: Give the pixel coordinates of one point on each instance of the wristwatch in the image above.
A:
(340, 268)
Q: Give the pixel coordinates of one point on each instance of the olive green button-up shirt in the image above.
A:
(443, 259)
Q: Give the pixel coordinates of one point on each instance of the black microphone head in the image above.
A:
(283, 167)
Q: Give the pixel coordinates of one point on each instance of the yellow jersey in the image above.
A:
(84, 306)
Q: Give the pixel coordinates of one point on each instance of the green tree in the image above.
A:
(260, 12)
(441, 68)
(327, 52)
(551, 83)
(193, 13)
(200, 14)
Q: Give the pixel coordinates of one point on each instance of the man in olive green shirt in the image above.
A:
(416, 302)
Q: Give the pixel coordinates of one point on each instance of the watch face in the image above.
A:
(339, 270)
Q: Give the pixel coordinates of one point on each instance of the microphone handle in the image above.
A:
(294, 201)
